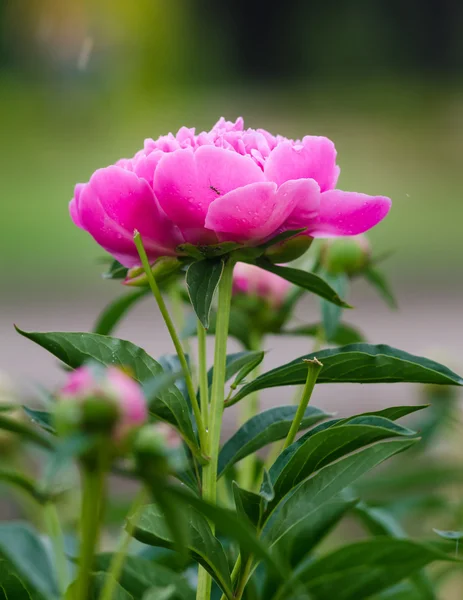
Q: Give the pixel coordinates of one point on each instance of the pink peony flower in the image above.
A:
(89, 385)
(251, 280)
(228, 184)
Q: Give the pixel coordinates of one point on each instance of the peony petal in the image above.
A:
(116, 202)
(306, 195)
(186, 183)
(74, 204)
(313, 158)
(255, 211)
(348, 213)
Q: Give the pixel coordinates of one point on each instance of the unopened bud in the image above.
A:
(156, 448)
(348, 255)
(256, 282)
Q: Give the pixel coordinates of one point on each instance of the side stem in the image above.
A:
(314, 367)
(202, 366)
(175, 339)
(57, 540)
(216, 407)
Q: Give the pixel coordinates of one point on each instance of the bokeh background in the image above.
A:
(83, 82)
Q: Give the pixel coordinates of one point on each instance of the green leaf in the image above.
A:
(150, 528)
(251, 364)
(379, 282)
(325, 483)
(139, 574)
(449, 535)
(202, 279)
(97, 584)
(12, 587)
(267, 427)
(74, 349)
(28, 434)
(282, 237)
(240, 326)
(238, 361)
(267, 491)
(156, 593)
(116, 271)
(356, 363)
(332, 313)
(23, 549)
(309, 281)
(313, 451)
(115, 311)
(247, 504)
(345, 334)
(228, 523)
(41, 418)
(364, 568)
(24, 483)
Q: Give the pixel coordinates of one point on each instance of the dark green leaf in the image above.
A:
(41, 417)
(364, 568)
(116, 271)
(356, 363)
(74, 349)
(327, 482)
(282, 237)
(247, 504)
(267, 427)
(379, 282)
(97, 584)
(139, 574)
(150, 528)
(28, 434)
(345, 334)
(23, 549)
(247, 368)
(332, 313)
(267, 490)
(115, 311)
(309, 281)
(12, 587)
(238, 361)
(313, 451)
(202, 279)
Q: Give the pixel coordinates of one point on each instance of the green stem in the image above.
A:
(55, 533)
(117, 562)
(93, 491)
(203, 381)
(244, 579)
(314, 367)
(234, 574)
(176, 340)
(249, 409)
(216, 407)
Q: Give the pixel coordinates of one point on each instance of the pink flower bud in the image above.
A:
(227, 184)
(101, 400)
(253, 281)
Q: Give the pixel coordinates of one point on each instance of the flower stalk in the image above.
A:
(314, 367)
(216, 406)
(175, 339)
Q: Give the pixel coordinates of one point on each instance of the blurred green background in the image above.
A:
(83, 83)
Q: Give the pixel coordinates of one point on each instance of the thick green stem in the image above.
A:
(202, 366)
(314, 367)
(216, 407)
(55, 533)
(93, 492)
(250, 408)
(118, 559)
(176, 340)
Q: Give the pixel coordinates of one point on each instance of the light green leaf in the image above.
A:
(449, 535)
(356, 363)
(309, 281)
(24, 483)
(267, 427)
(202, 279)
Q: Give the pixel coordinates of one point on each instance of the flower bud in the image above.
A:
(256, 282)
(100, 400)
(157, 449)
(345, 255)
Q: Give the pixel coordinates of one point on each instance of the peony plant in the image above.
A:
(206, 223)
